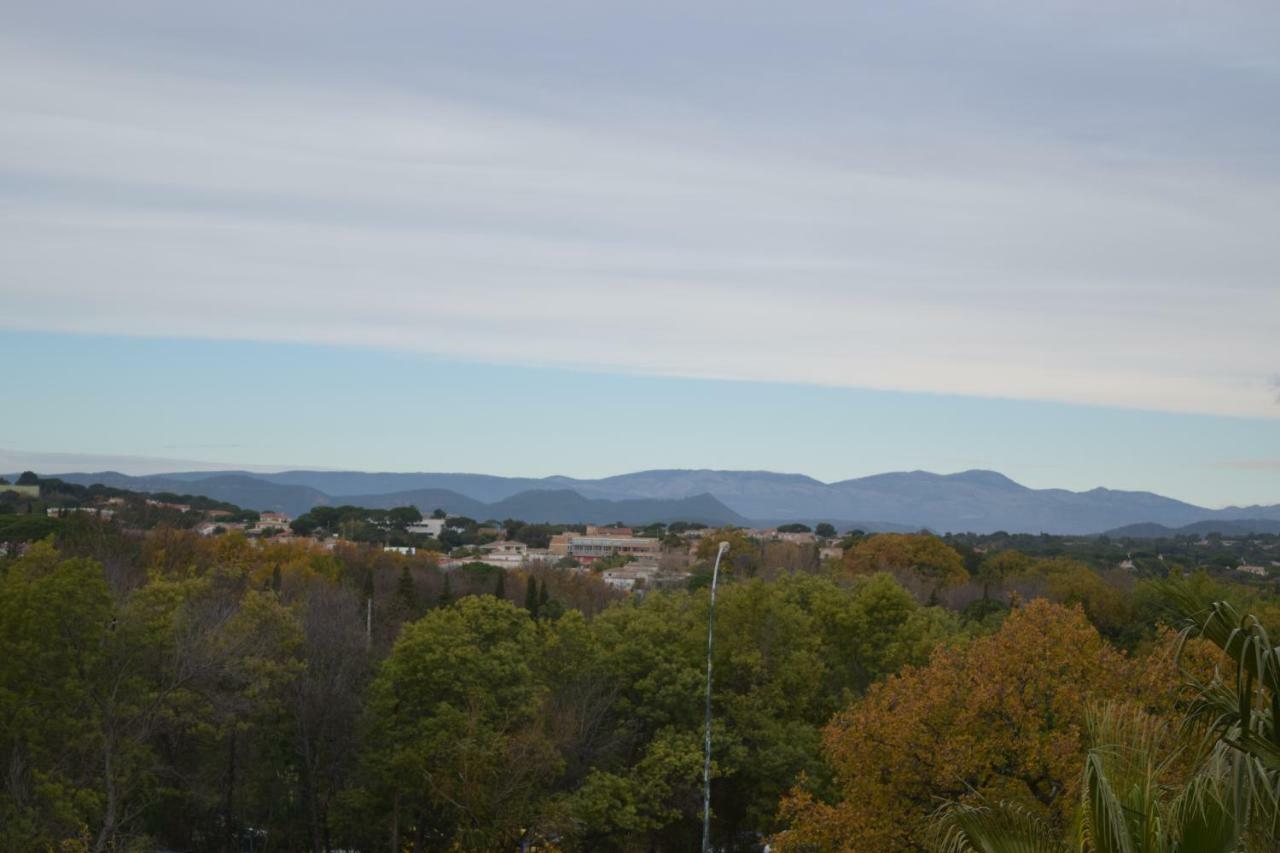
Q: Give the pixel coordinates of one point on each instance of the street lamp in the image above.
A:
(706, 757)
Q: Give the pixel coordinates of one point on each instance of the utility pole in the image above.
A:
(706, 757)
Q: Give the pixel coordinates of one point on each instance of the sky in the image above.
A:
(567, 237)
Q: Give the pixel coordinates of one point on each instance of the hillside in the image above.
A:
(976, 501)
(1222, 526)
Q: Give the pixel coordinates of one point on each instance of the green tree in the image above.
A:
(999, 567)
(403, 516)
(455, 740)
(794, 527)
(54, 617)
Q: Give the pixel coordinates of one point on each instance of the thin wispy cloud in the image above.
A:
(999, 202)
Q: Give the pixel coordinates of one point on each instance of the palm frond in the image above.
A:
(991, 828)
(1205, 815)
(1104, 826)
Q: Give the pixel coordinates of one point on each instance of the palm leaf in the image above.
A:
(1000, 828)
(1204, 817)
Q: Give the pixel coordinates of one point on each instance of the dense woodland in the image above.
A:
(162, 690)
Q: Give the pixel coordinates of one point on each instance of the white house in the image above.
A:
(428, 526)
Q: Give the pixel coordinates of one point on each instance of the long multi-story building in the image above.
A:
(587, 549)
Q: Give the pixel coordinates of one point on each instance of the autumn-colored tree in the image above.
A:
(1001, 717)
(925, 556)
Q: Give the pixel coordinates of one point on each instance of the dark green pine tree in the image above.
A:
(275, 578)
(500, 590)
(406, 593)
(531, 597)
(446, 593)
(543, 598)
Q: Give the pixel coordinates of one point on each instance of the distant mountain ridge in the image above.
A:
(558, 506)
(1222, 526)
(979, 501)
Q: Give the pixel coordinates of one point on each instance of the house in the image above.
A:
(165, 505)
(270, 521)
(1260, 571)
(830, 552)
(505, 547)
(61, 511)
(427, 527)
(504, 554)
(407, 550)
(629, 576)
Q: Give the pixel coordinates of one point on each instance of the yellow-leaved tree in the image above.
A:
(922, 554)
(1002, 717)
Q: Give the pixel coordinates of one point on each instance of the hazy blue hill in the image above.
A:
(978, 500)
(241, 489)
(426, 500)
(1251, 512)
(556, 506)
(566, 505)
(481, 487)
(1221, 526)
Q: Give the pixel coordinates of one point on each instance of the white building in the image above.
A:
(58, 511)
(627, 577)
(427, 527)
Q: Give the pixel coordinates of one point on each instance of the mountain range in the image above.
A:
(978, 501)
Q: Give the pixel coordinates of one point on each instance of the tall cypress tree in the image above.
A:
(406, 593)
(446, 594)
(531, 597)
(500, 590)
(543, 597)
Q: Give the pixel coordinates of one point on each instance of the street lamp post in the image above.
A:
(706, 757)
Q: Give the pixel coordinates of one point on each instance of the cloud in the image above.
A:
(972, 214)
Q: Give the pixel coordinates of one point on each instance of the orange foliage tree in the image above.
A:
(1001, 717)
(922, 554)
